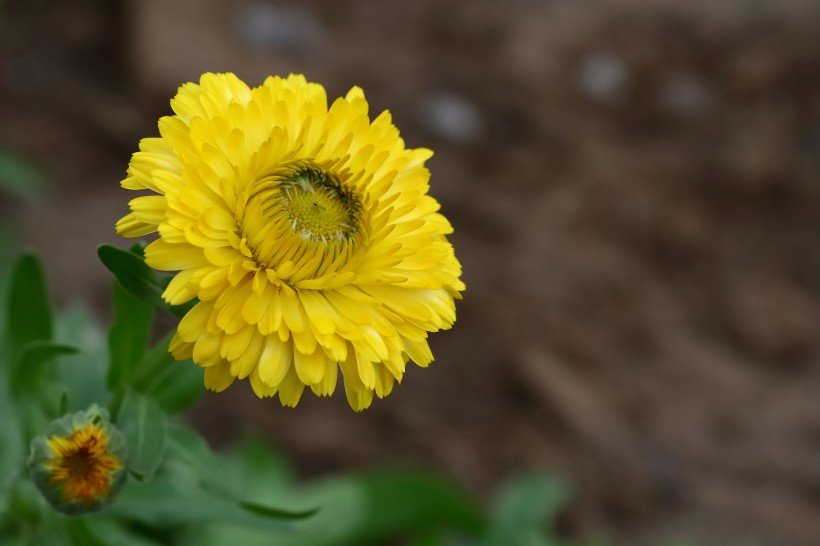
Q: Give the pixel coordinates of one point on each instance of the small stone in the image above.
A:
(684, 94)
(452, 117)
(273, 28)
(602, 76)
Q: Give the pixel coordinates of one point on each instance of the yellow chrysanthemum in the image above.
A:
(305, 231)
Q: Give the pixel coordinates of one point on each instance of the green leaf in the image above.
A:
(28, 309)
(188, 447)
(62, 407)
(143, 423)
(261, 472)
(31, 363)
(154, 363)
(80, 533)
(432, 540)
(83, 375)
(220, 533)
(111, 531)
(175, 385)
(13, 448)
(263, 478)
(20, 176)
(526, 507)
(175, 498)
(139, 280)
(413, 500)
(128, 337)
(277, 513)
(35, 391)
(361, 508)
(191, 487)
(179, 387)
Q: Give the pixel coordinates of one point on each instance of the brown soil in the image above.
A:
(635, 195)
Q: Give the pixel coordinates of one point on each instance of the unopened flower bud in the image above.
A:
(79, 463)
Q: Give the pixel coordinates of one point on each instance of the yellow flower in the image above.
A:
(305, 231)
(79, 463)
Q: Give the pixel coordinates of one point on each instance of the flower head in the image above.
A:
(79, 463)
(305, 231)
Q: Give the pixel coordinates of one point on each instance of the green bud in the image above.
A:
(79, 463)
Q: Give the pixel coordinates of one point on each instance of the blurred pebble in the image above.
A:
(684, 93)
(602, 76)
(266, 27)
(451, 117)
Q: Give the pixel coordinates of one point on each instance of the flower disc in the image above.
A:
(305, 231)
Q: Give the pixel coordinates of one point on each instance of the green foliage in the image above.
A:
(524, 506)
(370, 506)
(262, 473)
(20, 177)
(128, 337)
(81, 534)
(31, 363)
(28, 309)
(82, 375)
(184, 493)
(194, 486)
(28, 351)
(139, 280)
(144, 424)
(175, 385)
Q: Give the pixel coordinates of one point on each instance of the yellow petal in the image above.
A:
(206, 349)
(247, 361)
(131, 226)
(328, 383)
(290, 389)
(419, 352)
(233, 345)
(359, 399)
(367, 371)
(275, 360)
(218, 377)
(384, 381)
(179, 349)
(178, 290)
(292, 313)
(310, 368)
(172, 257)
(260, 388)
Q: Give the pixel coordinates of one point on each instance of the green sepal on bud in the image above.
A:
(79, 464)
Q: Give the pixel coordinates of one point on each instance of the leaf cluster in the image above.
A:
(180, 491)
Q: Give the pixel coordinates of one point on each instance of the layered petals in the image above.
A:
(305, 231)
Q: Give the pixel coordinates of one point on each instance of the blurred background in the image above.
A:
(635, 188)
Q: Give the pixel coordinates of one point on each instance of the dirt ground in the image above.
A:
(635, 188)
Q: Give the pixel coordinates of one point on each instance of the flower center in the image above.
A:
(317, 208)
(82, 464)
(79, 464)
(300, 214)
